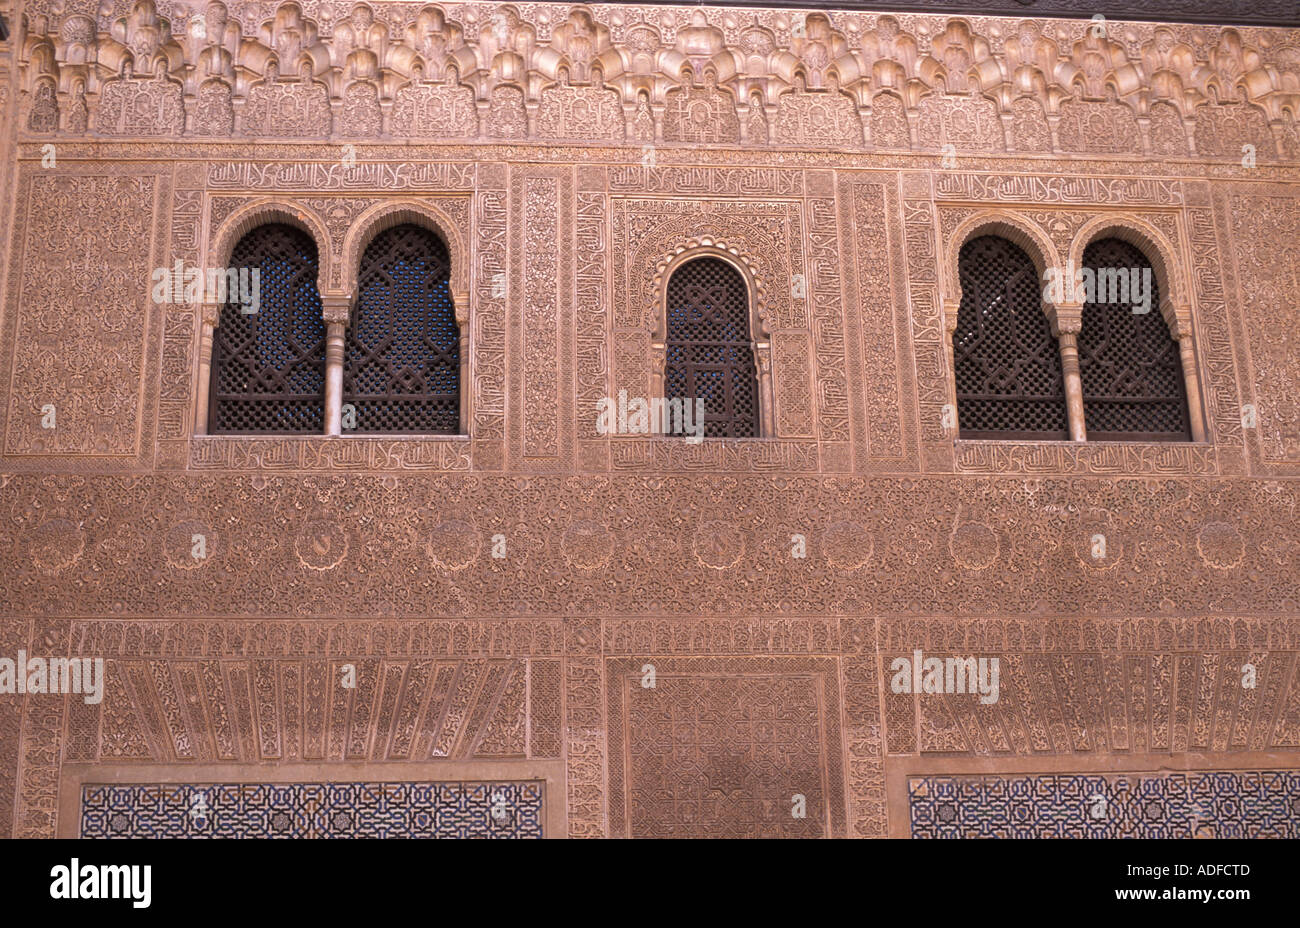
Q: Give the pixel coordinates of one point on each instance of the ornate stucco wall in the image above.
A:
(568, 155)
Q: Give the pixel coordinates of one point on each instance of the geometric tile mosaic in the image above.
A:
(313, 810)
(1223, 804)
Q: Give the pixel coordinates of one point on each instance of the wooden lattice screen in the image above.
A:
(1008, 364)
(401, 370)
(1132, 374)
(709, 351)
(268, 367)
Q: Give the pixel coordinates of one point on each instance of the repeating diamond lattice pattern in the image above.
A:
(401, 369)
(1008, 364)
(709, 352)
(1128, 361)
(268, 367)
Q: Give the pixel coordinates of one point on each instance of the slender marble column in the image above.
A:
(1067, 323)
(460, 305)
(335, 310)
(658, 368)
(766, 395)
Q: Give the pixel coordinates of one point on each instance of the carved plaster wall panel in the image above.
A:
(569, 155)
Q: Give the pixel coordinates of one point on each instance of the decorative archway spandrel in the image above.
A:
(244, 218)
(1139, 231)
(447, 216)
(708, 246)
(759, 237)
(1009, 224)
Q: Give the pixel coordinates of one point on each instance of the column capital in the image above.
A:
(460, 304)
(1065, 318)
(210, 314)
(336, 307)
(951, 309)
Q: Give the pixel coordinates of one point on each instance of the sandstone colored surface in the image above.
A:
(564, 632)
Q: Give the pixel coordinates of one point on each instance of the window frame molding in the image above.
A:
(238, 224)
(365, 229)
(759, 337)
(1175, 301)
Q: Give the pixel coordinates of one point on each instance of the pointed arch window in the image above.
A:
(268, 366)
(709, 352)
(401, 369)
(1129, 364)
(1007, 363)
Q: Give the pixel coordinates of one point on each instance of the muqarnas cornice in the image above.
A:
(617, 73)
(1260, 12)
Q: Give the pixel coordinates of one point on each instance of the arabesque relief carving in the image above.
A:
(501, 589)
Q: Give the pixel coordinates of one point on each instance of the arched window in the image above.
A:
(709, 354)
(401, 369)
(1133, 388)
(268, 366)
(1008, 364)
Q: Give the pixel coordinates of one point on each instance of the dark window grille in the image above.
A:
(1008, 364)
(401, 369)
(1132, 374)
(709, 352)
(268, 367)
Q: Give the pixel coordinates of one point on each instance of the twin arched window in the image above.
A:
(401, 365)
(1009, 374)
